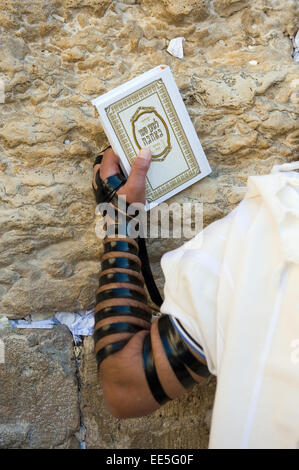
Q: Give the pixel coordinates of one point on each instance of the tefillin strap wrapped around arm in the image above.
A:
(106, 192)
(179, 356)
(121, 287)
(120, 293)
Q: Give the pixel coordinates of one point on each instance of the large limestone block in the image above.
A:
(237, 79)
(39, 390)
(228, 7)
(197, 9)
(240, 85)
(98, 6)
(181, 424)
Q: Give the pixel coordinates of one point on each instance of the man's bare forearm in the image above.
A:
(142, 365)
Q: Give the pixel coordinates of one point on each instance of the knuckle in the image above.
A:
(140, 165)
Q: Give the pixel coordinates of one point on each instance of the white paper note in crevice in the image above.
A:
(80, 323)
(175, 47)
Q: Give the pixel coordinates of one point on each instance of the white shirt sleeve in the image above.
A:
(232, 292)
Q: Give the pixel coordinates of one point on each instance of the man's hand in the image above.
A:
(134, 189)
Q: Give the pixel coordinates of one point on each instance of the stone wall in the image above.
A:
(240, 85)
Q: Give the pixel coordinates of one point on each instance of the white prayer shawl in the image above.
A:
(235, 289)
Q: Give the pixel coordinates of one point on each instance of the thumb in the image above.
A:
(140, 167)
(134, 189)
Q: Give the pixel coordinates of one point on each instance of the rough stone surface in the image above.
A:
(39, 391)
(240, 86)
(181, 424)
(237, 79)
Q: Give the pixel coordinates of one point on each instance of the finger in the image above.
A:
(108, 167)
(95, 169)
(134, 189)
(140, 167)
(110, 164)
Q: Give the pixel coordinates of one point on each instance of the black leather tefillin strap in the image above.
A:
(147, 274)
(117, 286)
(119, 277)
(121, 310)
(112, 348)
(120, 292)
(151, 373)
(124, 263)
(114, 328)
(106, 191)
(178, 354)
(179, 358)
(120, 245)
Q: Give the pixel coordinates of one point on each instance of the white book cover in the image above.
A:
(148, 112)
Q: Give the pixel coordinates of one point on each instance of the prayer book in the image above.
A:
(148, 112)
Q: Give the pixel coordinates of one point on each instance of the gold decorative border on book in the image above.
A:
(151, 109)
(156, 87)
